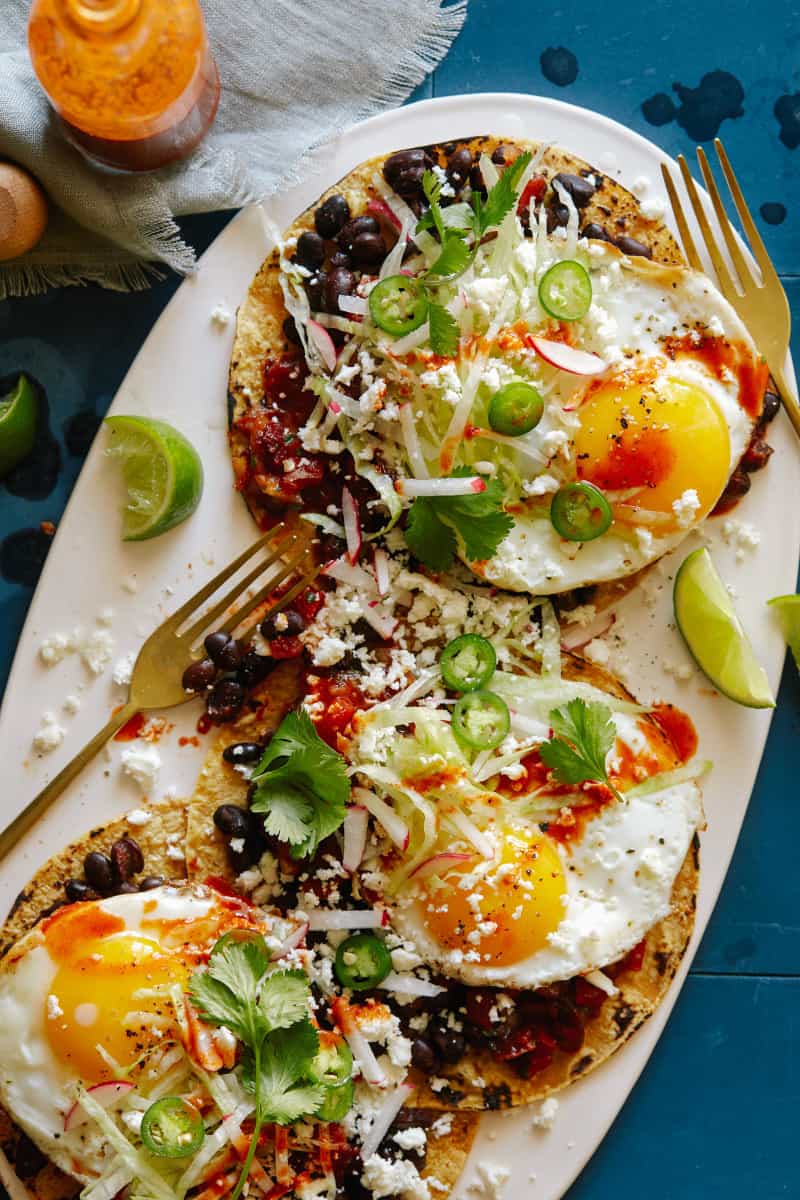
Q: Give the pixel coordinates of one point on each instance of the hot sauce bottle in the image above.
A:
(134, 82)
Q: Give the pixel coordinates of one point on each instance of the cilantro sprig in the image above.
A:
(268, 1011)
(583, 734)
(456, 253)
(478, 520)
(300, 785)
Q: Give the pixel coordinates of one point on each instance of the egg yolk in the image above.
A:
(506, 915)
(101, 1001)
(663, 439)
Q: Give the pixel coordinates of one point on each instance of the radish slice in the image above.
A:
(465, 486)
(396, 828)
(471, 833)
(578, 636)
(384, 1119)
(290, 943)
(566, 358)
(381, 561)
(352, 525)
(347, 572)
(358, 305)
(355, 836)
(439, 863)
(104, 1094)
(411, 439)
(362, 1051)
(351, 918)
(408, 985)
(380, 621)
(323, 343)
(379, 208)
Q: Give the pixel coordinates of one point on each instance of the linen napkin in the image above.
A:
(294, 73)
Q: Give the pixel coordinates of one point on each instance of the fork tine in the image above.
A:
(753, 236)
(206, 619)
(689, 248)
(237, 617)
(208, 589)
(723, 275)
(280, 604)
(737, 258)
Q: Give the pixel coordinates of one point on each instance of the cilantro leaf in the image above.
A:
(432, 187)
(301, 785)
(277, 1077)
(444, 331)
(583, 734)
(240, 965)
(284, 999)
(225, 993)
(429, 540)
(454, 258)
(478, 519)
(503, 195)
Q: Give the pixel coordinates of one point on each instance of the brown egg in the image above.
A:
(23, 211)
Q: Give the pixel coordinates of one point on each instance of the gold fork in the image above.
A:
(162, 660)
(761, 303)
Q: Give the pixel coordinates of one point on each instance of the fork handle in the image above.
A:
(788, 398)
(39, 805)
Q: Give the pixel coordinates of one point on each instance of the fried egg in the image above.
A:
(659, 431)
(559, 896)
(84, 999)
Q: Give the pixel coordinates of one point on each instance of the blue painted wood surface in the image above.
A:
(714, 1114)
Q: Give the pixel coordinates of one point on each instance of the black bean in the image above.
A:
(242, 753)
(254, 846)
(199, 676)
(369, 250)
(629, 245)
(253, 669)
(499, 155)
(126, 857)
(99, 872)
(340, 258)
(225, 700)
(340, 282)
(557, 215)
(595, 231)
(459, 165)
(580, 189)
(149, 882)
(756, 456)
(232, 821)
(449, 1044)
(476, 181)
(331, 547)
(401, 167)
(353, 229)
(310, 251)
(230, 656)
(315, 290)
(411, 1118)
(331, 216)
(214, 643)
(28, 1158)
(423, 1056)
(282, 623)
(126, 888)
(290, 331)
(77, 889)
(771, 407)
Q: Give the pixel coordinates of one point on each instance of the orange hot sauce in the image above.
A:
(133, 81)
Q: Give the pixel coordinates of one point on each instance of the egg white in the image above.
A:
(619, 877)
(637, 304)
(36, 1088)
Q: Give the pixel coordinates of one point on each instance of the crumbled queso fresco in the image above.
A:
(427, 615)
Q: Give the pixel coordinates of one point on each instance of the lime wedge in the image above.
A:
(714, 634)
(788, 610)
(18, 412)
(162, 472)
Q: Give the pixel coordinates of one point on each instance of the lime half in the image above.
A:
(162, 472)
(18, 412)
(714, 633)
(788, 610)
